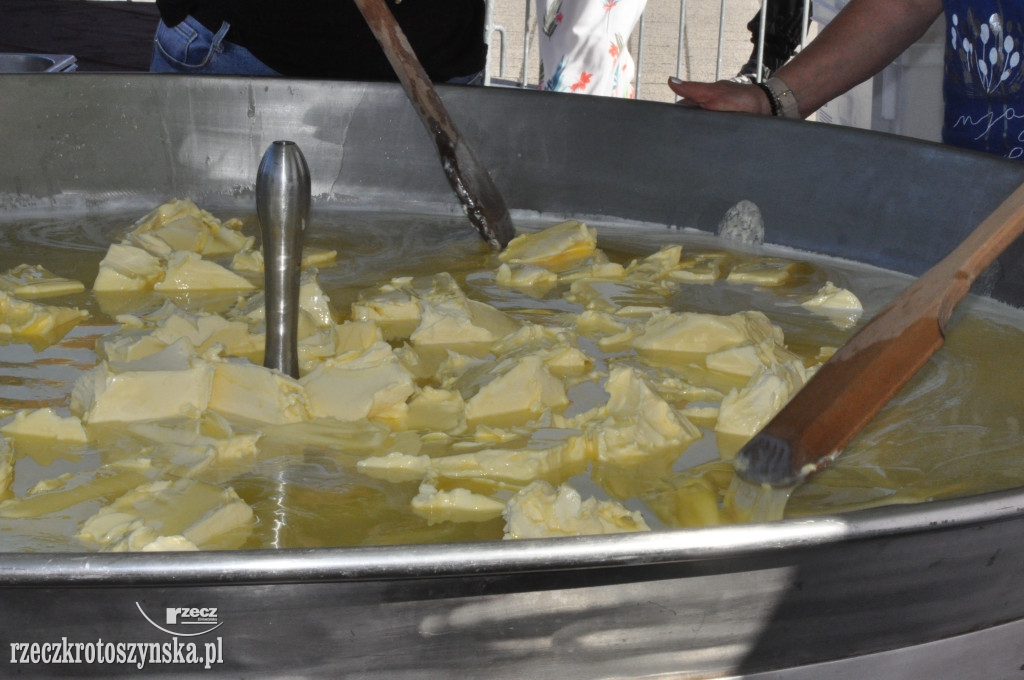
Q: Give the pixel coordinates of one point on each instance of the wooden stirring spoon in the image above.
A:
(852, 386)
(468, 178)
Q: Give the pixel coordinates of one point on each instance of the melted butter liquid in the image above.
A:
(954, 430)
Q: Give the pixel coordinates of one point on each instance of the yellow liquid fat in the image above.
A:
(953, 431)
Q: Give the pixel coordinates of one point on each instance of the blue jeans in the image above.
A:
(190, 47)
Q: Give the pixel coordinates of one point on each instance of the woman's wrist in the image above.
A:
(769, 96)
(781, 100)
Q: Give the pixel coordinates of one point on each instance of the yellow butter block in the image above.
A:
(541, 511)
(745, 411)
(189, 271)
(369, 384)
(45, 423)
(23, 321)
(172, 383)
(456, 505)
(766, 272)
(247, 391)
(37, 281)
(127, 268)
(204, 515)
(556, 247)
(522, 393)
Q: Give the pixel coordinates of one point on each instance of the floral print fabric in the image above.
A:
(984, 76)
(583, 45)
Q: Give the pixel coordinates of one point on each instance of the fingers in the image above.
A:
(695, 93)
(721, 96)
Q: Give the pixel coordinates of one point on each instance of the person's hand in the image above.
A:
(724, 95)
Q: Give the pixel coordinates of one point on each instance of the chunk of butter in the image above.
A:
(693, 332)
(839, 304)
(251, 261)
(461, 325)
(189, 271)
(526, 277)
(395, 467)
(745, 411)
(169, 384)
(127, 268)
(593, 323)
(22, 320)
(6, 465)
(541, 511)
(370, 384)
(764, 272)
(555, 247)
(517, 466)
(37, 281)
(436, 410)
(356, 336)
(104, 483)
(595, 268)
(312, 300)
(457, 505)
(449, 323)
(655, 266)
(165, 543)
(832, 297)
(702, 268)
(203, 331)
(521, 394)
(748, 359)
(45, 423)
(244, 390)
(205, 515)
(180, 225)
(639, 423)
(392, 307)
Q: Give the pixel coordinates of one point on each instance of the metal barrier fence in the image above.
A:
(500, 49)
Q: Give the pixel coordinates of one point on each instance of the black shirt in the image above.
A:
(330, 38)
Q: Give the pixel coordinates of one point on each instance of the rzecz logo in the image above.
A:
(186, 618)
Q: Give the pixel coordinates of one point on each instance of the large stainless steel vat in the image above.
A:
(916, 591)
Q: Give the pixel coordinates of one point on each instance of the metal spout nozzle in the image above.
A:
(282, 206)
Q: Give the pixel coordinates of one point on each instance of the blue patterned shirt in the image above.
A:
(984, 76)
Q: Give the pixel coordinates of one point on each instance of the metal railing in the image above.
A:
(492, 28)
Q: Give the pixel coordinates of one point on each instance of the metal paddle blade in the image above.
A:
(468, 178)
(852, 386)
(474, 188)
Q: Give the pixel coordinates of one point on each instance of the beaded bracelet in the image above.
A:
(781, 99)
(772, 101)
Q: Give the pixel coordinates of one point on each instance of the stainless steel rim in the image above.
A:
(500, 557)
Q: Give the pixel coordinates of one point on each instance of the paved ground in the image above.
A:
(659, 48)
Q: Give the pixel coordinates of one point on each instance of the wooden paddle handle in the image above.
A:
(468, 178)
(980, 249)
(406, 65)
(851, 387)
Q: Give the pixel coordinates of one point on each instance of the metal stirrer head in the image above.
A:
(282, 206)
